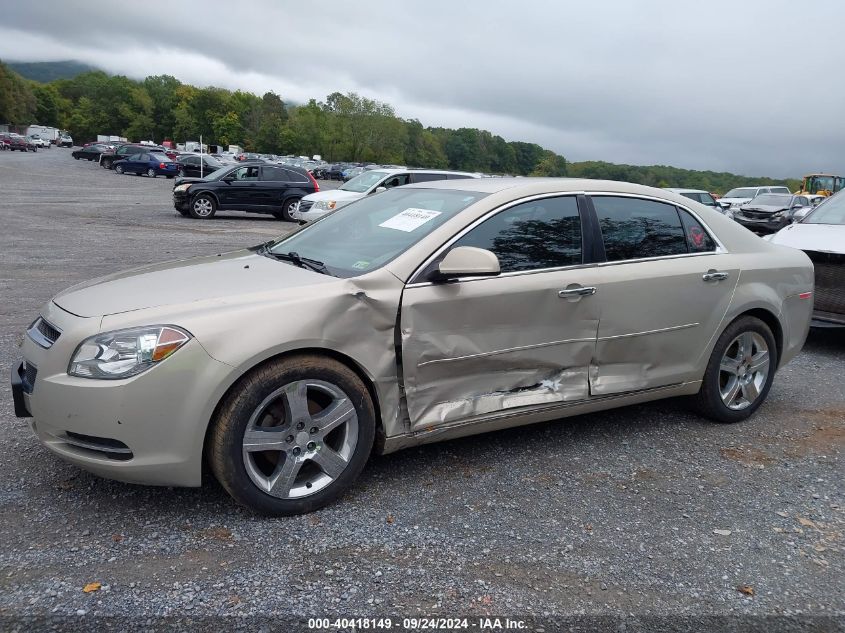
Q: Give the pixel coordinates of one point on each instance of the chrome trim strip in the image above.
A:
(658, 331)
(505, 351)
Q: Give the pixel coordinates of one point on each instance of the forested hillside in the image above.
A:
(342, 127)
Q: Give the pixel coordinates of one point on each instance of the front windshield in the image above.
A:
(819, 183)
(368, 233)
(217, 174)
(831, 211)
(364, 182)
(742, 192)
(772, 199)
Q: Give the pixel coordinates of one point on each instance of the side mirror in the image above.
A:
(467, 261)
(380, 189)
(229, 178)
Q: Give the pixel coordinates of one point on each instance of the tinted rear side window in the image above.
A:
(295, 176)
(533, 235)
(427, 177)
(698, 239)
(275, 174)
(633, 228)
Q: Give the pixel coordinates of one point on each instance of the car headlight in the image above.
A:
(325, 204)
(125, 353)
(777, 215)
(184, 187)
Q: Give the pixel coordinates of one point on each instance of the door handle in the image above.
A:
(577, 292)
(714, 275)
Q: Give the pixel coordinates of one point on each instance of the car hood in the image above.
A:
(334, 194)
(733, 200)
(221, 277)
(766, 208)
(824, 238)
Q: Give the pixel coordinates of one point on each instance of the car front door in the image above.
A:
(664, 289)
(237, 193)
(477, 347)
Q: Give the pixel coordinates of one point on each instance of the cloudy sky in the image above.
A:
(753, 87)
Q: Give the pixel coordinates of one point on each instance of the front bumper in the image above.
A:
(761, 225)
(181, 201)
(148, 429)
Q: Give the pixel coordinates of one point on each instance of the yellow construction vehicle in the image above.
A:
(821, 185)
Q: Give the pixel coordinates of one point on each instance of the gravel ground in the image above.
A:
(639, 512)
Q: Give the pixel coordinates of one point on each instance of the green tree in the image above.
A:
(17, 103)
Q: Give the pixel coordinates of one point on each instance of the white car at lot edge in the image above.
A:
(316, 205)
(739, 196)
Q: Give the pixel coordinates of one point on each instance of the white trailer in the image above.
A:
(44, 132)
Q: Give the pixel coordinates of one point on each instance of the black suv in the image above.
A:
(108, 159)
(254, 187)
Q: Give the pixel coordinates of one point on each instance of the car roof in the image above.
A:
(676, 190)
(531, 186)
(403, 170)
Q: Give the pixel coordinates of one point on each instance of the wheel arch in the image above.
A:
(772, 321)
(208, 192)
(340, 357)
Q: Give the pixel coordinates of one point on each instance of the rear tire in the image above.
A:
(151, 172)
(316, 421)
(740, 372)
(118, 169)
(288, 207)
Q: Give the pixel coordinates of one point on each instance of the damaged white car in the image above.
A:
(428, 312)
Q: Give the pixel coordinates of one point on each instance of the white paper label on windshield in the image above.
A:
(409, 219)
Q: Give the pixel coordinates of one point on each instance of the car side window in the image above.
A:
(396, 181)
(633, 228)
(533, 235)
(698, 239)
(427, 177)
(707, 199)
(247, 173)
(274, 174)
(295, 176)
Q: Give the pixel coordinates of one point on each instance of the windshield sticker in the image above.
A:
(361, 265)
(409, 219)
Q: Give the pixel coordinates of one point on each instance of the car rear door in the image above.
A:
(664, 290)
(476, 347)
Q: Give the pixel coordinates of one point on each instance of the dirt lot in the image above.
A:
(647, 510)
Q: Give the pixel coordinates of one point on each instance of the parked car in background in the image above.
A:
(821, 235)
(150, 163)
(37, 141)
(739, 196)
(108, 159)
(196, 165)
(770, 212)
(351, 172)
(335, 172)
(91, 151)
(16, 142)
(256, 187)
(319, 204)
(65, 140)
(421, 314)
(699, 195)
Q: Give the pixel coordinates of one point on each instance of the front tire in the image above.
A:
(203, 207)
(740, 372)
(292, 436)
(118, 169)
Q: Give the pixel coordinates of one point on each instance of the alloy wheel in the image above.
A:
(203, 207)
(744, 370)
(300, 439)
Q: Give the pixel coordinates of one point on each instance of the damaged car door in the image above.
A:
(478, 346)
(665, 288)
